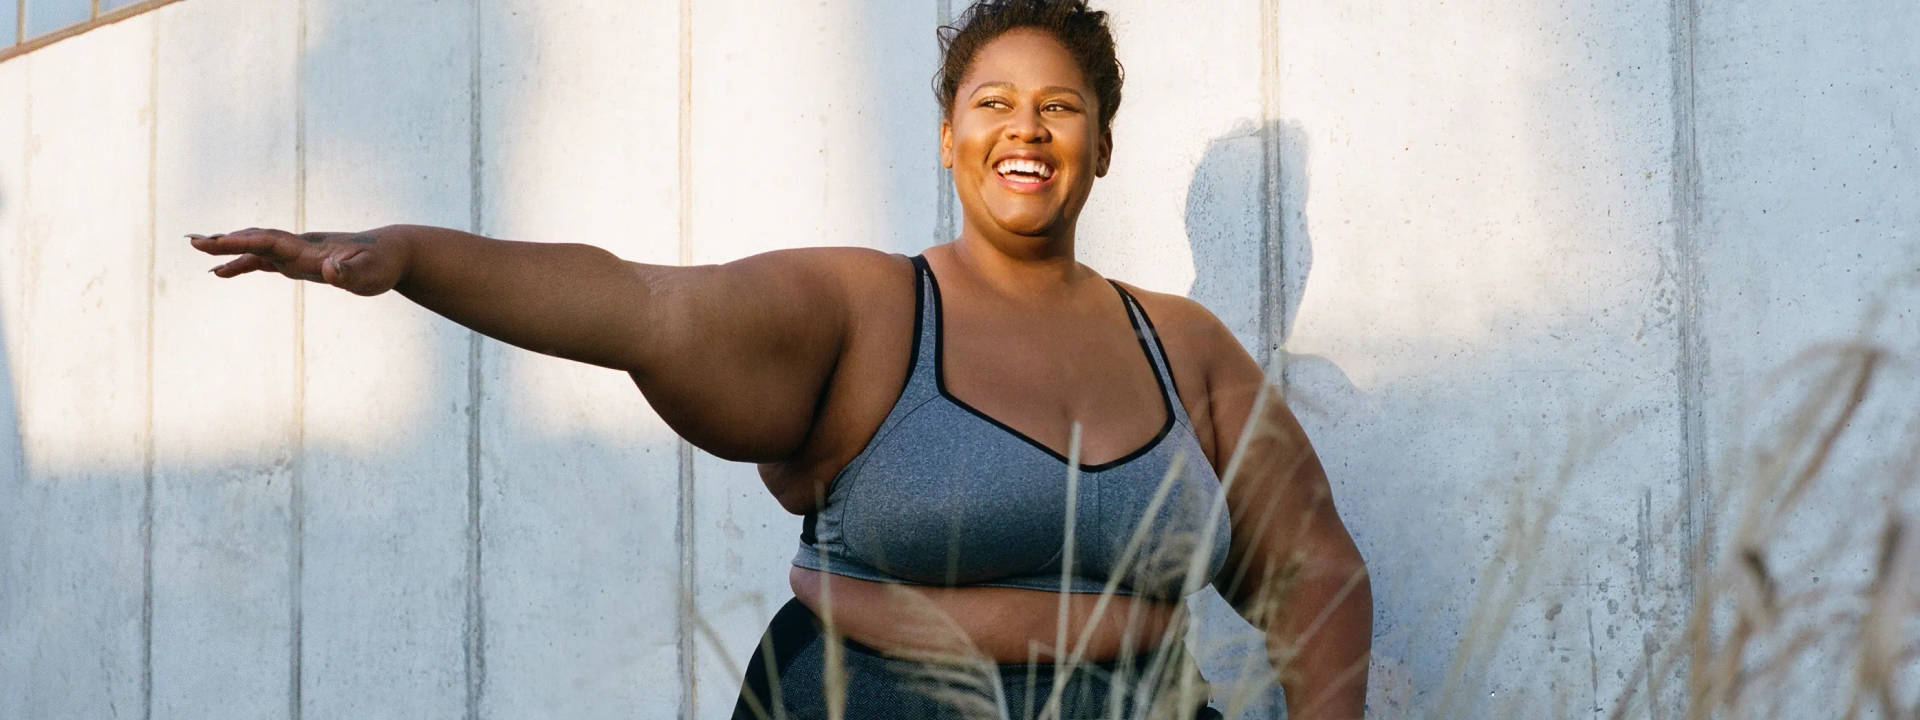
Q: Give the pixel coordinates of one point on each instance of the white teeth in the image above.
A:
(1025, 167)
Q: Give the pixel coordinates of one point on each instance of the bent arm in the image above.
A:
(1293, 570)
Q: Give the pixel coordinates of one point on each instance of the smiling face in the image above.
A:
(1024, 140)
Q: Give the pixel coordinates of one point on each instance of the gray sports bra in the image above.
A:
(945, 495)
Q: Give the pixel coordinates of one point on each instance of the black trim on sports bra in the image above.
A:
(919, 310)
(1165, 359)
(940, 382)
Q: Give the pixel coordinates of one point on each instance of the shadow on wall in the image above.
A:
(18, 521)
(1236, 159)
(1357, 432)
(13, 484)
(1228, 185)
(13, 460)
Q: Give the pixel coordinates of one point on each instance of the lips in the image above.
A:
(1024, 168)
(1024, 172)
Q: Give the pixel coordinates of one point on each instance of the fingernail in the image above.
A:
(338, 269)
(196, 236)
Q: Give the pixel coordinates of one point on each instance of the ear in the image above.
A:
(946, 144)
(1106, 154)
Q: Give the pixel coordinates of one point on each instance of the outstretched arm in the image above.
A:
(734, 357)
(1293, 570)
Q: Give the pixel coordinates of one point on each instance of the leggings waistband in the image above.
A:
(789, 667)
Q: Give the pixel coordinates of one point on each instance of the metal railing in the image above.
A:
(20, 41)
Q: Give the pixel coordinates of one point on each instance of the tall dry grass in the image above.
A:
(1799, 593)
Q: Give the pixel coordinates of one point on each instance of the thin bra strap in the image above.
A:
(926, 325)
(1156, 352)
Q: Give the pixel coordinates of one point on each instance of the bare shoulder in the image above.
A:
(810, 285)
(1212, 372)
(1190, 331)
(849, 265)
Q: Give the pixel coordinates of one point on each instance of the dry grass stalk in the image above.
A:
(1772, 630)
(1494, 610)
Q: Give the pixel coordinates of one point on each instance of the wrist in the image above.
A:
(398, 243)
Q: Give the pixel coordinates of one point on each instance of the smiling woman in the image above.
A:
(1011, 468)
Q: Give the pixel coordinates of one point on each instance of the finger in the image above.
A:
(242, 265)
(332, 272)
(251, 240)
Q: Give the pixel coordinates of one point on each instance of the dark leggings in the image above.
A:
(792, 658)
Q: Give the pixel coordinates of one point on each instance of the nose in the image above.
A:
(1026, 126)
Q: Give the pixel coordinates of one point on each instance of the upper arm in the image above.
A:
(1278, 498)
(737, 357)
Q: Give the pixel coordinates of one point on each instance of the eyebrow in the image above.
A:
(1004, 85)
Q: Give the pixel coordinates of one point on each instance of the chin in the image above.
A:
(1032, 222)
(1041, 227)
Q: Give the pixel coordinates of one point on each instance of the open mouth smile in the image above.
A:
(1024, 173)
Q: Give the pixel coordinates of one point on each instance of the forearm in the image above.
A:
(562, 299)
(1322, 642)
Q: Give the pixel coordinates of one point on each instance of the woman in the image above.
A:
(1010, 474)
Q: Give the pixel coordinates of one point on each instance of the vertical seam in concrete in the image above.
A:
(20, 370)
(476, 630)
(1273, 271)
(943, 230)
(146, 510)
(683, 451)
(1690, 364)
(296, 490)
(31, 267)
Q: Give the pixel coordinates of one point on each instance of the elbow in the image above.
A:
(1339, 568)
(1316, 574)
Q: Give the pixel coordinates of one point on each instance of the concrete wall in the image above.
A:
(1531, 274)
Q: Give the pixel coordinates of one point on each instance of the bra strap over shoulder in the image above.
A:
(1156, 353)
(926, 315)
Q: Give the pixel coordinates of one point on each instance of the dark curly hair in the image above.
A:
(1083, 31)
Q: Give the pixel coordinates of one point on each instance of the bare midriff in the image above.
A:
(1005, 625)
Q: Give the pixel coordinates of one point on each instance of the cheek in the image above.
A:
(968, 155)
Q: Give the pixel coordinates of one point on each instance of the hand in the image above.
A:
(361, 263)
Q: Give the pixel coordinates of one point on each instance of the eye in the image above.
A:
(1059, 107)
(994, 103)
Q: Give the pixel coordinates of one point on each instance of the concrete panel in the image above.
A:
(75, 573)
(1809, 196)
(1485, 327)
(812, 125)
(225, 386)
(15, 490)
(580, 479)
(384, 511)
(1180, 209)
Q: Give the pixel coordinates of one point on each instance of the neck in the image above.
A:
(1018, 266)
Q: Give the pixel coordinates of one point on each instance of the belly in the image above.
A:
(1002, 624)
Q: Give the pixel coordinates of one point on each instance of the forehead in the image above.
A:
(1027, 58)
